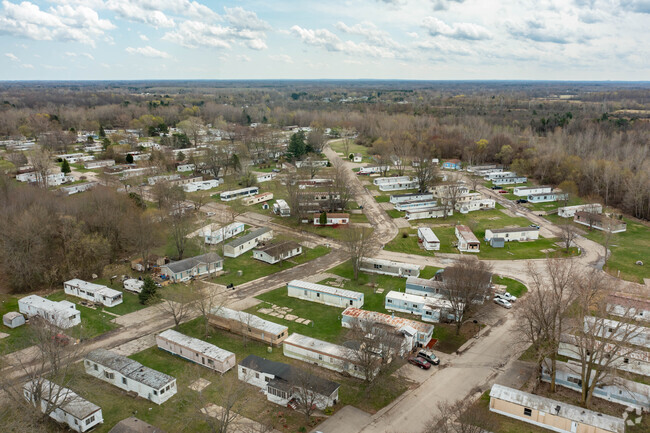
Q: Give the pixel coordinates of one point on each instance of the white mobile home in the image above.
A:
(401, 198)
(366, 319)
(186, 269)
(218, 235)
(633, 306)
(373, 265)
(386, 180)
(265, 177)
(523, 191)
(510, 180)
(570, 211)
(280, 207)
(417, 204)
(613, 388)
(428, 238)
(162, 178)
(467, 241)
(247, 242)
(499, 175)
(204, 185)
(430, 309)
(600, 222)
(64, 406)
(474, 205)
(259, 198)
(80, 187)
(333, 219)
(400, 185)
(52, 179)
(373, 169)
(133, 285)
(282, 383)
(96, 293)
(63, 314)
(323, 354)
(547, 197)
(89, 165)
(428, 212)
(324, 294)
(130, 375)
(520, 234)
(551, 414)
(613, 330)
(239, 193)
(195, 350)
(74, 158)
(277, 252)
(185, 167)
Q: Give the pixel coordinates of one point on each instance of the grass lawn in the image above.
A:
(448, 341)
(79, 167)
(358, 218)
(337, 146)
(253, 269)
(513, 287)
(552, 206)
(382, 198)
(479, 221)
(394, 213)
(94, 322)
(18, 338)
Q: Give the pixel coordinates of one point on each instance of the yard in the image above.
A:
(478, 221)
(513, 287)
(253, 269)
(94, 321)
(338, 146)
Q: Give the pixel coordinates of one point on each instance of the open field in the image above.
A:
(253, 269)
(337, 146)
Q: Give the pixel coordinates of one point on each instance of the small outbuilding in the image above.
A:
(13, 319)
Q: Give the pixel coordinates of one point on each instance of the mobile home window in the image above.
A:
(91, 419)
(124, 380)
(528, 412)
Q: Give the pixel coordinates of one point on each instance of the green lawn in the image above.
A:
(513, 287)
(552, 206)
(18, 338)
(382, 198)
(358, 218)
(94, 322)
(253, 269)
(337, 146)
(394, 213)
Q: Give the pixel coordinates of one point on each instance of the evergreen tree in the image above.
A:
(129, 158)
(323, 219)
(65, 167)
(102, 133)
(148, 290)
(297, 146)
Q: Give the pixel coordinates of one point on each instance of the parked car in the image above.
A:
(506, 296)
(502, 302)
(211, 214)
(429, 356)
(536, 226)
(503, 191)
(420, 362)
(522, 200)
(496, 187)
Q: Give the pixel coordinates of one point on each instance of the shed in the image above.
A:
(13, 319)
(497, 242)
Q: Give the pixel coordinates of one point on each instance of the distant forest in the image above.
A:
(590, 138)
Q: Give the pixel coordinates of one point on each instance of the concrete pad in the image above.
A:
(306, 322)
(199, 385)
(265, 310)
(290, 317)
(629, 422)
(239, 425)
(137, 345)
(299, 320)
(347, 420)
(3, 335)
(380, 291)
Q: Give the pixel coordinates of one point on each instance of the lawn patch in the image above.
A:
(514, 287)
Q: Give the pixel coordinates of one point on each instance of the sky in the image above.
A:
(330, 39)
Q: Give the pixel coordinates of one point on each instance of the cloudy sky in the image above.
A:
(266, 39)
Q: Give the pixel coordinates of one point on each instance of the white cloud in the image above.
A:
(243, 58)
(470, 31)
(144, 37)
(148, 52)
(537, 31)
(193, 34)
(328, 40)
(12, 57)
(281, 58)
(441, 5)
(240, 18)
(61, 23)
(134, 11)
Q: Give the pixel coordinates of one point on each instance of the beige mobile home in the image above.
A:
(551, 414)
(248, 325)
(195, 350)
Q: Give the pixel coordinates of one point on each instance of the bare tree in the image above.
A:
(41, 160)
(316, 140)
(401, 144)
(600, 344)
(18, 159)
(192, 127)
(466, 284)
(294, 196)
(198, 199)
(375, 347)
(542, 312)
(339, 189)
(216, 160)
(460, 417)
(208, 300)
(568, 236)
(357, 242)
(304, 385)
(426, 170)
(179, 303)
(453, 190)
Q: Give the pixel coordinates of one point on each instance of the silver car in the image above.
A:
(502, 302)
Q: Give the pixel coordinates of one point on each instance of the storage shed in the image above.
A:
(13, 319)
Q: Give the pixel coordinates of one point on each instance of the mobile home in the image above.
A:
(430, 309)
(467, 242)
(192, 267)
(401, 198)
(218, 235)
(600, 222)
(523, 191)
(276, 252)
(428, 238)
(417, 204)
(284, 383)
(239, 193)
(513, 180)
(64, 406)
(365, 318)
(259, 198)
(474, 205)
(324, 294)
(130, 375)
(428, 212)
(195, 350)
(570, 211)
(333, 219)
(520, 234)
(280, 207)
(547, 197)
(551, 414)
(248, 325)
(629, 305)
(374, 265)
(247, 242)
(96, 293)
(63, 314)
